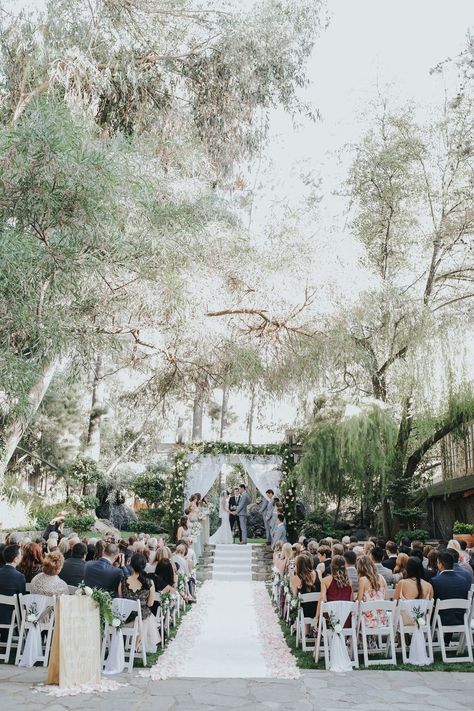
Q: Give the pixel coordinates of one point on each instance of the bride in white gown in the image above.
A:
(223, 533)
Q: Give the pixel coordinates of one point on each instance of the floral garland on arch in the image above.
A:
(288, 484)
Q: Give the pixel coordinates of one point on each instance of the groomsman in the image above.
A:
(233, 519)
(279, 534)
(266, 510)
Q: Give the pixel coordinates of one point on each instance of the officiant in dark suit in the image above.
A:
(233, 519)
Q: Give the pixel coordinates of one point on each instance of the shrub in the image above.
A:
(151, 485)
(418, 534)
(461, 527)
(149, 521)
(79, 523)
(319, 524)
(44, 513)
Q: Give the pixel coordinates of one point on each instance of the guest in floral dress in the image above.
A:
(372, 586)
(139, 587)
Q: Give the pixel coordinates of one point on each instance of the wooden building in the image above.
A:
(451, 497)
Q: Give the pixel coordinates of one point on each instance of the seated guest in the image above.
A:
(31, 561)
(449, 584)
(377, 555)
(73, 569)
(368, 546)
(138, 586)
(337, 549)
(432, 568)
(2, 559)
(453, 543)
(48, 582)
(303, 579)
(399, 572)
(103, 573)
(63, 547)
(164, 573)
(283, 562)
(279, 532)
(413, 586)
(351, 559)
(324, 565)
(183, 533)
(335, 586)
(372, 584)
(99, 549)
(464, 556)
(462, 569)
(391, 559)
(12, 582)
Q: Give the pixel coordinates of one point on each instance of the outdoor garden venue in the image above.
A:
(236, 355)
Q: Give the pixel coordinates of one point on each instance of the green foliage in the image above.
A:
(319, 524)
(44, 513)
(83, 471)
(344, 456)
(461, 527)
(151, 486)
(417, 534)
(85, 503)
(79, 523)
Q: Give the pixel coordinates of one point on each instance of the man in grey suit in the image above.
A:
(279, 534)
(242, 512)
(267, 513)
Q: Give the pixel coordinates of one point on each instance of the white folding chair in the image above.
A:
(383, 613)
(408, 626)
(45, 624)
(390, 593)
(438, 630)
(131, 634)
(72, 589)
(28, 587)
(9, 601)
(325, 632)
(302, 621)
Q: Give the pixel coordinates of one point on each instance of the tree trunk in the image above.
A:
(92, 448)
(225, 405)
(16, 429)
(386, 518)
(251, 415)
(198, 410)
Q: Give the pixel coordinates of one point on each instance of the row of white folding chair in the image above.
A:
(395, 622)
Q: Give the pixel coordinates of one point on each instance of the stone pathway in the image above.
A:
(314, 691)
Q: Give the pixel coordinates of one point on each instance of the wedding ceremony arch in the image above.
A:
(198, 465)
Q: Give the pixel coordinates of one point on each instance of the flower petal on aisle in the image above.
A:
(279, 660)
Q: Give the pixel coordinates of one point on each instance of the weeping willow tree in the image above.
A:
(347, 454)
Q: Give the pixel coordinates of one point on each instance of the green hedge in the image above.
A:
(418, 534)
(79, 523)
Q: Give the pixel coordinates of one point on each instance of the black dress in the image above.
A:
(309, 608)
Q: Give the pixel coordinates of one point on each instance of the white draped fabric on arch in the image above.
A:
(263, 470)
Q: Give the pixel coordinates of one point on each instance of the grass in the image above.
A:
(305, 660)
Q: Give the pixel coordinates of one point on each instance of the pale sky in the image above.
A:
(368, 46)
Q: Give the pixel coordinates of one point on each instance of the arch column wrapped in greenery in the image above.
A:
(287, 484)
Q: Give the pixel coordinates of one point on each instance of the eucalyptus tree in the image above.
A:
(100, 199)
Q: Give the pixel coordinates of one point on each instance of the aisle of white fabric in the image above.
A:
(232, 632)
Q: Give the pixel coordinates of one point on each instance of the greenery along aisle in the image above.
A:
(287, 484)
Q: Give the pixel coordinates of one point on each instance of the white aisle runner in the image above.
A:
(232, 632)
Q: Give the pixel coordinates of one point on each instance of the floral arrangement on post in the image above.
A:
(182, 583)
(103, 601)
(165, 602)
(178, 482)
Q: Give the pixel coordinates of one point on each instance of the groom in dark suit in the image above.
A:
(233, 519)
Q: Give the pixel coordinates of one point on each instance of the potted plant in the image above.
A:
(464, 532)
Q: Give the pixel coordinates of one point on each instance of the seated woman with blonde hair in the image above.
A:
(372, 587)
(286, 555)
